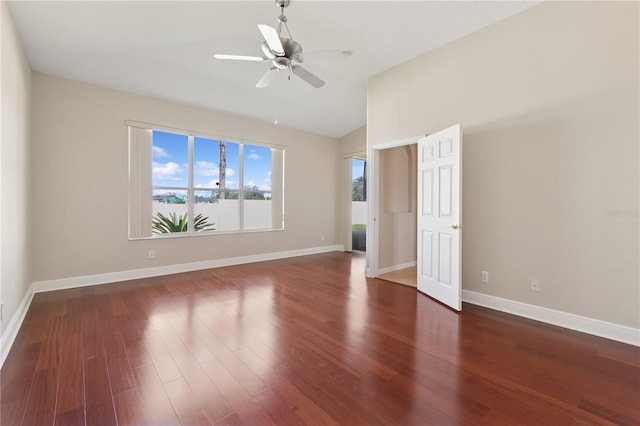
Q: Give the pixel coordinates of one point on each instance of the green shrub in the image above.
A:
(173, 223)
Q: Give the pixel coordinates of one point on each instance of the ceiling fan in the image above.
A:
(284, 53)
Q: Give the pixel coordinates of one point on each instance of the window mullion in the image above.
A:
(241, 185)
(190, 191)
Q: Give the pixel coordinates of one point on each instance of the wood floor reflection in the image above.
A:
(306, 340)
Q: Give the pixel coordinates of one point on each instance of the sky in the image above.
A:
(357, 168)
(170, 162)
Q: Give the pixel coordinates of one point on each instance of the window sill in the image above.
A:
(202, 234)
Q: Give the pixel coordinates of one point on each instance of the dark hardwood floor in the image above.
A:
(306, 340)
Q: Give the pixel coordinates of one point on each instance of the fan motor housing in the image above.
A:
(292, 50)
(281, 62)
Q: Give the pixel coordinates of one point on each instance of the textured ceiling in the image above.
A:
(165, 49)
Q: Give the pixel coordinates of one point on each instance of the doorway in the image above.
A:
(432, 222)
(395, 218)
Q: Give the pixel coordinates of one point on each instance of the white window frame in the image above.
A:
(141, 185)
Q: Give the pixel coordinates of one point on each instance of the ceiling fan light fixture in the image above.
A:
(283, 52)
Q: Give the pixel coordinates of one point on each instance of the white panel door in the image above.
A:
(439, 214)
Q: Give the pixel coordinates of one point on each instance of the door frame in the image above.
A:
(373, 200)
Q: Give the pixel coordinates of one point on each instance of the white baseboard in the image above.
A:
(112, 277)
(608, 330)
(9, 336)
(11, 332)
(388, 269)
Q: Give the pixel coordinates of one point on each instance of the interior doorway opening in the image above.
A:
(392, 206)
(397, 198)
(432, 218)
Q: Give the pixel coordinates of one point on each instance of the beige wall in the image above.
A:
(354, 142)
(549, 103)
(80, 175)
(15, 265)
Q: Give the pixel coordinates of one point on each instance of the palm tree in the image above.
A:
(222, 170)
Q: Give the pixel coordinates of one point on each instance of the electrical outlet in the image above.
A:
(322, 237)
(485, 276)
(152, 254)
(534, 284)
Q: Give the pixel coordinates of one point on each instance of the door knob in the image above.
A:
(455, 226)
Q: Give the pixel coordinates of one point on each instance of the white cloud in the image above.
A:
(175, 172)
(214, 183)
(211, 184)
(253, 156)
(266, 185)
(159, 153)
(168, 171)
(206, 168)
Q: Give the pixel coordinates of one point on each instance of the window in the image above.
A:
(184, 183)
(359, 180)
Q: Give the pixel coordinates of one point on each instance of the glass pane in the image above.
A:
(206, 163)
(359, 185)
(169, 211)
(229, 213)
(206, 211)
(225, 155)
(257, 170)
(359, 204)
(170, 159)
(257, 214)
(257, 187)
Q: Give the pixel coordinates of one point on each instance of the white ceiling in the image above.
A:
(165, 49)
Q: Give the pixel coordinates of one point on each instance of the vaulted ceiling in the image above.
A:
(165, 49)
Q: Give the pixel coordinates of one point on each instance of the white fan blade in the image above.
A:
(240, 57)
(325, 55)
(272, 38)
(310, 78)
(267, 78)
